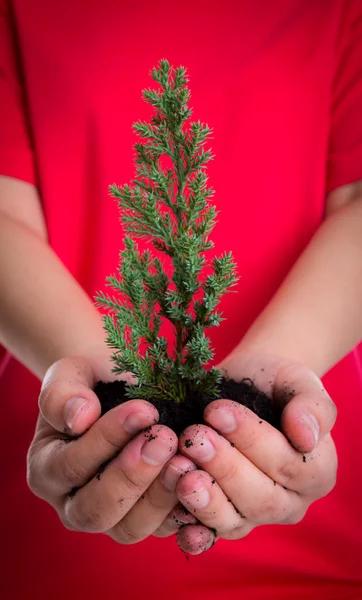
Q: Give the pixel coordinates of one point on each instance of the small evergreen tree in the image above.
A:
(169, 207)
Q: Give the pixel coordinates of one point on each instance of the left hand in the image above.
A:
(250, 473)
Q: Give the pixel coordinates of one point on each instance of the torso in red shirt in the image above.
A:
(262, 75)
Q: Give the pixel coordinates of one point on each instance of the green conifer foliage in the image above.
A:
(169, 207)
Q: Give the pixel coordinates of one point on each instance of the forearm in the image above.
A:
(44, 313)
(316, 315)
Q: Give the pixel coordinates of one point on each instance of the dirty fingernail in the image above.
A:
(72, 410)
(312, 425)
(135, 422)
(156, 451)
(224, 420)
(198, 499)
(170, 477)
(200, 449)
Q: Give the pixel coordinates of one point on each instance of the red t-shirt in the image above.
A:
(281, 85)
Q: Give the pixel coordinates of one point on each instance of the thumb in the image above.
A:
(309, 413)
(67, 401)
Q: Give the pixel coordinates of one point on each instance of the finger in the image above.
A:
(148, 514)
(177, 518)
(60, 465)
(311, 474)
(195, 539)
(67, 401)
(203, 497)
(270, 451)
(252, 492)
(105, 500)
(309, 412)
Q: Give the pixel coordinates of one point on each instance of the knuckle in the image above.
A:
(163, 532)
(66, 523)
(289, 471)
(133, 481)
(226, 473)
(263, 514)
(34, 473)
(247, 441)
(155, 501)
(237, 533)
(85, 518)
(124, 535)
(30, 472)
(33, 483)
(272, 512)
(42, 473)
(294, 517)
(108, 436)
(32, 479)
(271, 509)
(74, 474)
(323, 471)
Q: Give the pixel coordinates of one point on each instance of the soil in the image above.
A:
(179, 416)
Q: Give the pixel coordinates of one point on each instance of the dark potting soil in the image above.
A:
(179, 416)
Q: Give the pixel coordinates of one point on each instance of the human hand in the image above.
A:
(250, 473)
(131, 495)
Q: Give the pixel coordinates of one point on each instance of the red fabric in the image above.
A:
(16, 157)
(344, 157)
(280, 83)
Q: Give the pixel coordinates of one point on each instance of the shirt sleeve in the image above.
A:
(345, 142)
(16, 155)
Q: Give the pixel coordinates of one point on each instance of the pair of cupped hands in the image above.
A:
(220, 479)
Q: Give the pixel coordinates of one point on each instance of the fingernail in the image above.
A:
(224, 420)
(156, 451)
(312, 425)
(200, 449)
(198, 499)
(170, 478)
(135, 422)
(181, 516)
(72, 409)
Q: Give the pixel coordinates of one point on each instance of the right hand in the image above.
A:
(132, 495)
